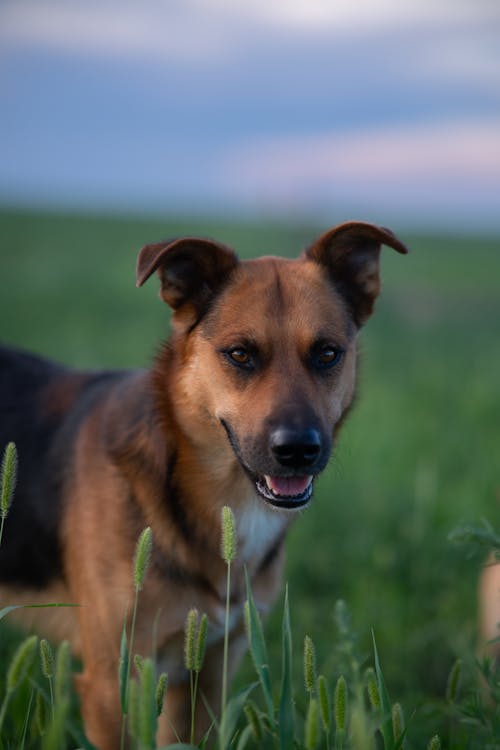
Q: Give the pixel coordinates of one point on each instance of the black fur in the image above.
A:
(44, 433)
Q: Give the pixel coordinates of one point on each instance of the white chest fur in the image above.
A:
(258, 528)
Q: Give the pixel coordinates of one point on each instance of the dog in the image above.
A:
(241, 407)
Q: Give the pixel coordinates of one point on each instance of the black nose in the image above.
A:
(295, 449)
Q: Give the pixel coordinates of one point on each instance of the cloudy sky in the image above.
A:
(378, 109)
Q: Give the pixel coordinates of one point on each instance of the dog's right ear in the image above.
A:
(191, 270)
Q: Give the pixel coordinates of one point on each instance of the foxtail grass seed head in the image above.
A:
(435, 743)
(228, 542)
(311, 729)
(21, 662)
(190, 631)
(309, 664)
(138, 663)
(372, 689)
(46, 659)
(142, 557)
(8, 478)
(340, 702)
(324, 702)
(398, 722)
(453, 683)
(161, 687)
(254, 721)
(201, 643)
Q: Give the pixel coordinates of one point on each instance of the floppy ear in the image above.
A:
(350, 254)
(191, 270)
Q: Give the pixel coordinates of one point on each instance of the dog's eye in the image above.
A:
(240, 356)
(328, 356)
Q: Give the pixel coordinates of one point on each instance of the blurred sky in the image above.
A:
(373, 109)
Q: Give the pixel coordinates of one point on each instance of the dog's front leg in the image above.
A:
(175, 720)
(100, 707)
(211, 678)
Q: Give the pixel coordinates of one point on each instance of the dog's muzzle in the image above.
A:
(283, 473)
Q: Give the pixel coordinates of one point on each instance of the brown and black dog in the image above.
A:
(241, 408)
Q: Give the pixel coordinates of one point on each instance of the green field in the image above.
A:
(419, 455)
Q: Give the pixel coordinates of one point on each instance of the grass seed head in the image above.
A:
(21, 662)
(190, 631)
(8, 478)
(46, 659)
(372, 689)
(324, 702)
(138, 663)
(309, 664)
(435, 743)
(398, 721)
(201, 643)
(161, 687)
(142, 557)
(228, 541)
(341, 704)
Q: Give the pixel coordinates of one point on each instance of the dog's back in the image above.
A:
(42, 405)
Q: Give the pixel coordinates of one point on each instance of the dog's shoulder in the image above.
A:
(20, 370)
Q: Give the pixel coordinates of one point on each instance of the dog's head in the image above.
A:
(267, 350)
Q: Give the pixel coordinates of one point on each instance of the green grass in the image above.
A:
(418, 456)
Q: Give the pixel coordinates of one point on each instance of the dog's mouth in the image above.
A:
(290, 493)
(286, 492)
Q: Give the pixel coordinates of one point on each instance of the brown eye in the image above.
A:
(239, 356)
(328, 356)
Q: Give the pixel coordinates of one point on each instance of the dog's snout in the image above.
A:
(295, 449)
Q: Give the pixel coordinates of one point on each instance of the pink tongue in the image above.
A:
(288, 486)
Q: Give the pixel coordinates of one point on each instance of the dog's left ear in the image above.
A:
(350, 254)
(191, 270)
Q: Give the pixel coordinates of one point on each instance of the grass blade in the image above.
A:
(385, 703)
(258, 650)
(232, 713)
(286, 707)
(123, 668)
(245, 738)
(12, 607)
